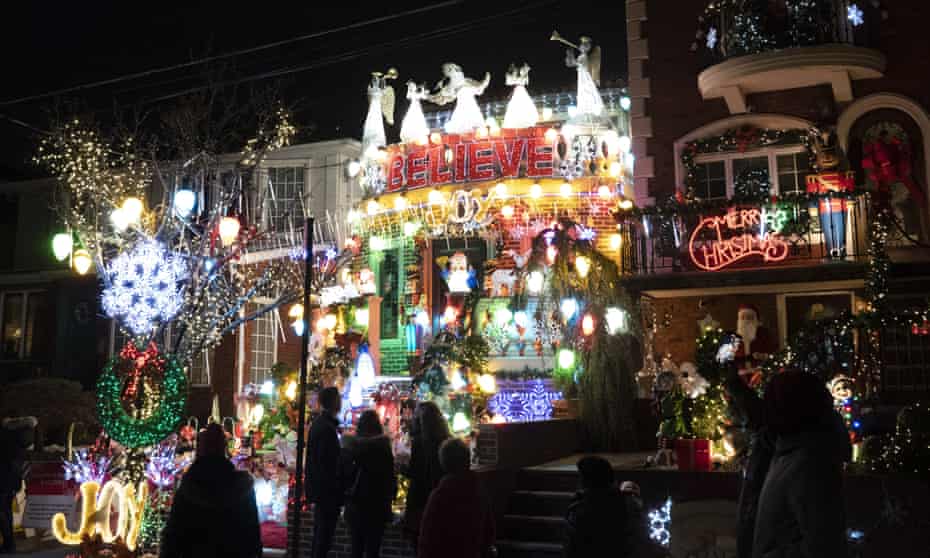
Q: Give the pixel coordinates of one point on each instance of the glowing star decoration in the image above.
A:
(534, 282)
(145, 287)
(660, 524)
(62, 244)
(95, 514)
(616, 320)
(565, 190)
(568, 307)
(184, 203)
(84, 468)
(400, 203)
(460, 422)
(855, 15)
(365, 368)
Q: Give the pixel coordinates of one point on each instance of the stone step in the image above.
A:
(540, 502)
(522, 549)
(532, 528)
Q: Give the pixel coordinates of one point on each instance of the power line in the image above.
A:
(240, 52)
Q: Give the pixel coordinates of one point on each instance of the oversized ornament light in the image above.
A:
(487, 383)
(82, 261)
(604, 191)
(119, 219)
(145, 286)
(184, 203)
(132, 208)
(568, 307)
(229, 230)
(460, 422)
(587, 325)
(616, 320)
(566, 359)
(534, 282)
(62, 244)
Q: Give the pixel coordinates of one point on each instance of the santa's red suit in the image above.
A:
(757, 342)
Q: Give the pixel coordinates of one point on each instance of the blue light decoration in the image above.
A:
(524, 400)
(410, 336)
(146, 286)
(660, 524)
(365, 368)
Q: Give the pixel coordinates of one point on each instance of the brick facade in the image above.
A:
(394, 544)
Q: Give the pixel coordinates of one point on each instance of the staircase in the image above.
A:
(533, 526)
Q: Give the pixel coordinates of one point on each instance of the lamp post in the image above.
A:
(302, 386)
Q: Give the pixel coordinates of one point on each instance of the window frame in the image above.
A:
(274, 317)
(24, 316)
(301, 166)
(771, 153)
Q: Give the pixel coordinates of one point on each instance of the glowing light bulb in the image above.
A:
(296, 311)
(373, 207)
(566, 359)
(487, 383)
(616, 169)
(82, 261)
(625, 103)
(568, 307)
(572, 111)
(119, 219)
(62, 243)
(457, 382)
(551, 133)
(267, 387)
(184, 203)
(133, 209)
(625, 144)
(520, 318)
(616, 320)
(534, 282)
(587, 325)
(436, 138)
(626, 205)
(481, 132)
(257, 413)
(361, 316)
(460, 422)
(353, 216)
(547, 113)
(536, 191)
(565, 189)
(507, 211)
(400, 203)
(450, 315)
(551, 253)
(501, 190)
(229, 230)
(353, 168)
(502, 316)
(290, 391)
(616, 241)
(421, 319)
(604, 192)
(376, 243)
(582, 266)
(435, 197)
(298, 327)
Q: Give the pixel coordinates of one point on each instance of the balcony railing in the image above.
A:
(744, 236)
(732, 28)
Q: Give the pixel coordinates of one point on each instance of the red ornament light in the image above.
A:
(587, 325)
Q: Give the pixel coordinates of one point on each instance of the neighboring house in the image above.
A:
(712, 115)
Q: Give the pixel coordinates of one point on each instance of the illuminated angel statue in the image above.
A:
(521, 111)
(413, 127)
(380, 106)
(588, 64)
(456, 87)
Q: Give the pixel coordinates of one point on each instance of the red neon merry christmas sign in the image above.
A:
(724, 240)
(467, 158)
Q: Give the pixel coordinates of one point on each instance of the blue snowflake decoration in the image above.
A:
(145, 287)
(524, 402)
(855, 15)
(660, 524)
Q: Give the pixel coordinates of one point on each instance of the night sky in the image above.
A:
(54, 45)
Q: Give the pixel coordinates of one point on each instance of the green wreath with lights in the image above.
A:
(122, 380)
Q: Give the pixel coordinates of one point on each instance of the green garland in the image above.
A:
(167, 414)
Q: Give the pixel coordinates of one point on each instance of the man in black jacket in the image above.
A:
(15, 437)
(214, 513)
(324, 481)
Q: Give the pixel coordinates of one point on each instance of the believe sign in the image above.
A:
(718, 242)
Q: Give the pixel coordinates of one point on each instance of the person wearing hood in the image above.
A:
(214, 511)
(16, 435)
(801, 507)
(373, 485)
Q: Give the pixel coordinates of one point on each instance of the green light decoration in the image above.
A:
(160, 412)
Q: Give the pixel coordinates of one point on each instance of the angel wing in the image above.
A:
(387, 104)
(594, 65)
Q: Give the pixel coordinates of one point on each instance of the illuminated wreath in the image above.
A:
(123, 381)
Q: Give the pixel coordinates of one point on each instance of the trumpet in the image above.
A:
(556, 37)
(391, 73)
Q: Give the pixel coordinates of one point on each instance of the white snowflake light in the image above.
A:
(144, 286)
(84, 468)
(660, 523)
(712, 38)
(854, 15)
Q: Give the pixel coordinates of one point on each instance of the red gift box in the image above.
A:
(693, 455)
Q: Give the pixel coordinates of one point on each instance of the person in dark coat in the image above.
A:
(428, 431)
(746, 404)
(801, 507)
(214, 511)
(372, 485)
(15, 437)
(600, 519)
(324, 479)
(458, 521)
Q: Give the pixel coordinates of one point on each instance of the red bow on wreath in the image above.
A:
(889, 162)
(148, 360)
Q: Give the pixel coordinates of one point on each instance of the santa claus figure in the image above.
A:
(757, 342)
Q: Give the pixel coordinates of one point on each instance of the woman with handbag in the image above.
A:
(373, 485)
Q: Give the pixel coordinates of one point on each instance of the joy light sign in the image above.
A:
(718, 242)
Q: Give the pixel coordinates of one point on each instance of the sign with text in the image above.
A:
(720, 241)
(48, 493)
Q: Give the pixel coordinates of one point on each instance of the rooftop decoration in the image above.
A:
(521, 111)
(456, 87)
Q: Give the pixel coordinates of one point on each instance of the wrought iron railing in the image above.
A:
(731, 28)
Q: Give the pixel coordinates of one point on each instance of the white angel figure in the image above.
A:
(380, 106)
(413, 127)
(521, 111)
(456, 87)
(588, 64)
